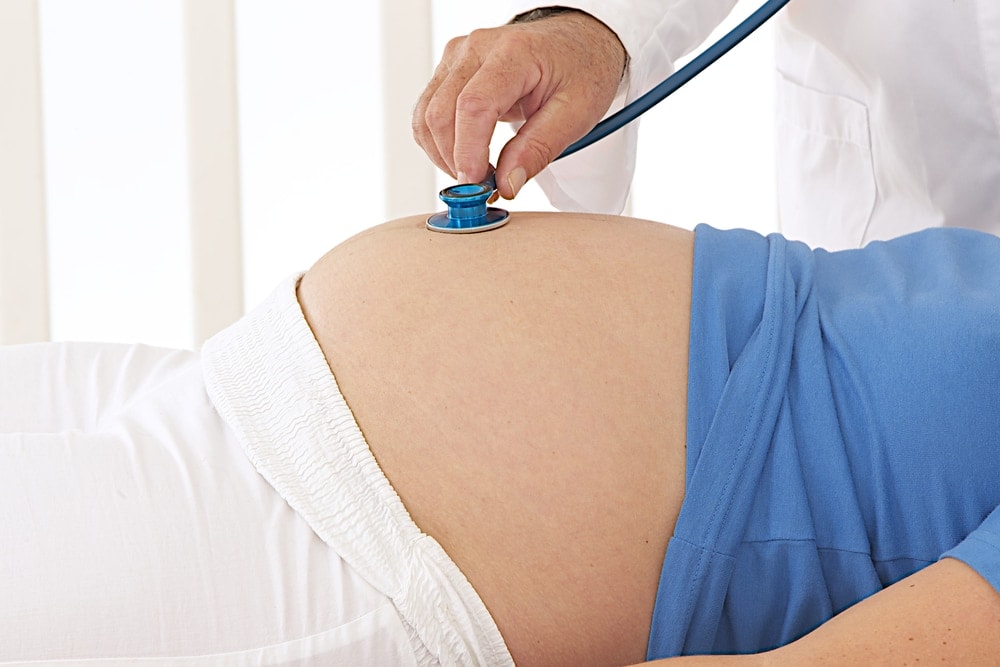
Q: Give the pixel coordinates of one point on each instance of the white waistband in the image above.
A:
(269, 380)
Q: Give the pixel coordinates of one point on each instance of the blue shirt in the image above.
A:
(843, 431)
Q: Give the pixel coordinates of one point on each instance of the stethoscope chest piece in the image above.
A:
(467, 209)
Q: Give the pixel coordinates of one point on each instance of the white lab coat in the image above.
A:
(888, 112)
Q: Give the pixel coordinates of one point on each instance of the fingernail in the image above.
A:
(516, 180)
(463, 177)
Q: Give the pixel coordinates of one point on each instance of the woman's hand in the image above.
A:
(558, 74)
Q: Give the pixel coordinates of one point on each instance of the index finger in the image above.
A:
(487, 96)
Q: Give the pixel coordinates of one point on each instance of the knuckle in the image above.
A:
(419, 129)
(438, 116)
(473, 103)
(539, 153)
(506, 43)
(417, 113)
(454, 45)
(481, 37)
(418, 122)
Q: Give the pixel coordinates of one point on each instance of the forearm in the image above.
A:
(944, 614)
(758, 660)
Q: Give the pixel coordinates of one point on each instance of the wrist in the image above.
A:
(542, 13)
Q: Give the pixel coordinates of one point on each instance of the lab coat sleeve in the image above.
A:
(655, 33)
(981, 550)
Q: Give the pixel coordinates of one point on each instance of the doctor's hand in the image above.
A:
(558, 74)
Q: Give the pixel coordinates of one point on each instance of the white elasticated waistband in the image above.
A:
(269, 380)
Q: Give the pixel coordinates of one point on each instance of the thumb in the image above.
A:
(542, 138)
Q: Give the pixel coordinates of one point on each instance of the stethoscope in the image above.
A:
(467, 203)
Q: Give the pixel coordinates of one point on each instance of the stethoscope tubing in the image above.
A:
(676, 80)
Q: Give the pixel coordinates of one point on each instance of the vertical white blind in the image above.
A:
(24, 294)
(406, 42)
(213, 165)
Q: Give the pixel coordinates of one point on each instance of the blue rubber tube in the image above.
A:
(663, 90)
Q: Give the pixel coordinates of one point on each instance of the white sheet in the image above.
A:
(133, 526)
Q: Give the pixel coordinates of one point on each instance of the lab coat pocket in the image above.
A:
(826, 178)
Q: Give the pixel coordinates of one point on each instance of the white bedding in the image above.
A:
(139, 523)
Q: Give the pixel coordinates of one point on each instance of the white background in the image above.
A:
(309, 90)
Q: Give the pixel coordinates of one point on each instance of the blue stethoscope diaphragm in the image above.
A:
(468, 209)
